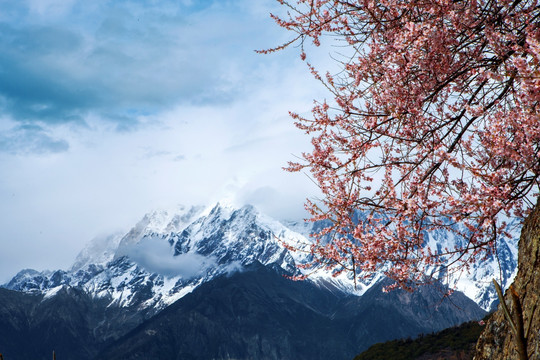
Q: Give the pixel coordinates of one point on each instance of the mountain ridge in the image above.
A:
(168, 254)
(225, 262)
(254, 313)
(259, 314)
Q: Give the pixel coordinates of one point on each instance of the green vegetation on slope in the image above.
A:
(456, 339)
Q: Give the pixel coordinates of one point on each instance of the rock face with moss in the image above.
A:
(499, 341)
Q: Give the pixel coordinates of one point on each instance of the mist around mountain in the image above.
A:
(211, 283)
(171, 253)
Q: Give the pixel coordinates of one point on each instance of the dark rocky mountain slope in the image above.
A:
(208, 283)
(259, 314)
(71, 323)
(254, 314)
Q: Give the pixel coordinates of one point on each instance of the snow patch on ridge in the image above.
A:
(52, 292)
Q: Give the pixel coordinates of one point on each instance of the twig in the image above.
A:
(520, 335)
(518, 330)
(504, 307)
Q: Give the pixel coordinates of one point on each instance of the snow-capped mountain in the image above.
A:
(167, 255)
(476, 282)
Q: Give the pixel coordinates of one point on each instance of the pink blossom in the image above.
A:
(434, 121)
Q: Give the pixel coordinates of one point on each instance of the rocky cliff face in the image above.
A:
(498, 341)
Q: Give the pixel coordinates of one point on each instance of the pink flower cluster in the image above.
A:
(434, 125)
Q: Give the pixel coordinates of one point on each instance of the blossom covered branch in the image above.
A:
(434, 122)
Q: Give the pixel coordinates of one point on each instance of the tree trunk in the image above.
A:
(498, 341)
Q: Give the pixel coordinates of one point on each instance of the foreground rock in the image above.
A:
(498, 342)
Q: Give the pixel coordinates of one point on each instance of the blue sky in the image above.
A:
(110, 109)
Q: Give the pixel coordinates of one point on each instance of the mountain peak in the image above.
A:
(166, 221)
(99, 251)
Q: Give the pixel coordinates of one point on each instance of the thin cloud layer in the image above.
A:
(30, 138)
(156, 256)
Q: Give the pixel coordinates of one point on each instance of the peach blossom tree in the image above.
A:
(432, 122)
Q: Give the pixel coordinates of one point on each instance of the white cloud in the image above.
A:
(156, 256)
